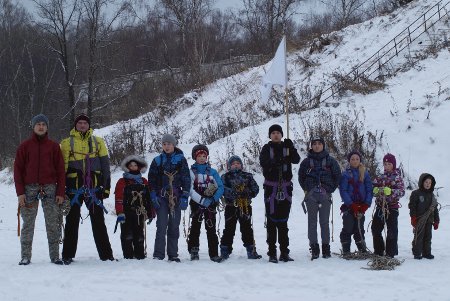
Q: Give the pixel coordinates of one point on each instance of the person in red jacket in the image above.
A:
(39, 176)
(133, 207)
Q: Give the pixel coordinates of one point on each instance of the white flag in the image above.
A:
(277, 74)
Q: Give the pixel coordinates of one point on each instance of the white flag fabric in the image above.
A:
(277, 74)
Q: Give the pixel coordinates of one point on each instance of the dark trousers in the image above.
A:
(198, 214)
(350, 227)
(132, 235)
(378, 223)
(276, 222)
(98, 229)
(421, 244)
(232, 216)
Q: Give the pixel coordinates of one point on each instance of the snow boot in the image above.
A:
(346, 248)
(217, 259)
(326, 252)
(315, 251)
(418, 257)
(67, 261)
(272, 257)
(251, 252)
(174, 259)
(361, 245)
(285, 257)
(24, 261)
(57, 261)
(194, 254)
(428, 256)
(224, 252)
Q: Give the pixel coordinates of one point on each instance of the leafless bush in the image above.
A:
(343, 133)
(251, 150)
(127, 139)
(219, 129)
(361, 84)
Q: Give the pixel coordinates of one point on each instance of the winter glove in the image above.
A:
(121, 218)
(101, 194)
(436, 226)
(364, 208)
(413, 221)
(206, 202)
(387, 191)
(184, 201)
(359, 208)
(376, 190)
(155, 200)
(288, 143)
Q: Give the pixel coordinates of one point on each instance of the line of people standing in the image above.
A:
(78, 170)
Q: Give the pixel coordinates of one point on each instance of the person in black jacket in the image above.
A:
(319, 176)
(276, 159)
(423, 209)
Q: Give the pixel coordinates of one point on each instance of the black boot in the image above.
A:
(361, 245)
(194, 254)
(251, 252)
(272, 257)
(315, 251)
(428, 256)
(326, 252)
(285, 257)
(345, 248)
(174, 259)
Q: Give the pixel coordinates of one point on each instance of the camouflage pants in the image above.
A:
(52, 215)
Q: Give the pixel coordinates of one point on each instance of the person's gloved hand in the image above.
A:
(155, 200)
(288, 143)
(102, 193)
(184, 201)
(436, 226)
(363, 208)
(376, 190)
(206, 202)
(413, 221)
(121, 218)
(387, 191)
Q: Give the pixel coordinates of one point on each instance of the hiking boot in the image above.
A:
(326, 252)
(224, 252)
(418, 257)
(57, 261)
(428, 256)
(251, 252)
(285, 257)
(158, 258)
(194, 254)
(345, 248)
(361, 247)
(315, 251)
(273, 259)
(67, 261)
(24, 261)
(174, 259)
(217, 259)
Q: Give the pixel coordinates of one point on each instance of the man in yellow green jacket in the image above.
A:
(88, 180)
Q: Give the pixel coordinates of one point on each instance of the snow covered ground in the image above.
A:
(401, 111)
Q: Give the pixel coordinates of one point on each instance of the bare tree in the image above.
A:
(100, 27)
(60, 21)
(189, 16)
(265, 21)
(345, 10)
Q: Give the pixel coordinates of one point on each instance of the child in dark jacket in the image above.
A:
(206, 191)
(356, 192)
(133, 207)
(423, 209)
(388, 189)
(239, 189)
(170, 184)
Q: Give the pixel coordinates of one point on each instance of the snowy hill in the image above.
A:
(411, 111)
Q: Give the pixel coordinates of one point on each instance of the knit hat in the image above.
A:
(82, 117)
(317, 138)
(133, 158)
(354, 152)
(169, 139)
(275, 127)
(39, 118)
(391, 159)
(199, 149)
(233, 159)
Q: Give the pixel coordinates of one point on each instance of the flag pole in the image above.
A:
(286, 108)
